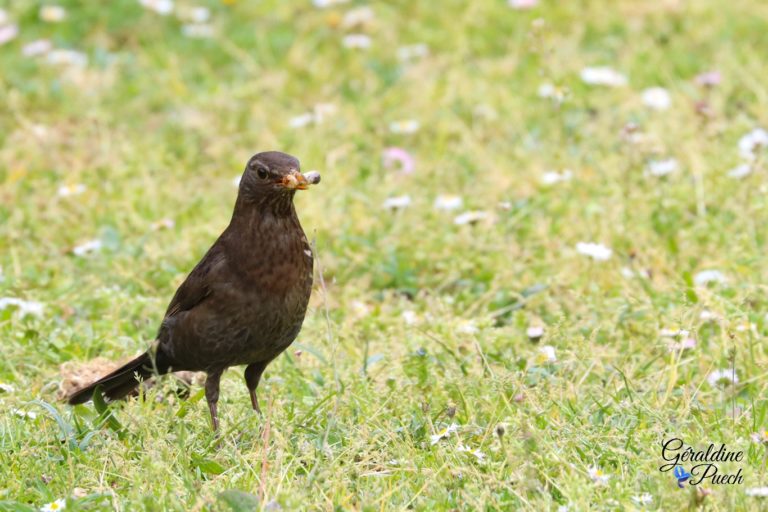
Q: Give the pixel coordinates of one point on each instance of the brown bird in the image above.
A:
(245, 301)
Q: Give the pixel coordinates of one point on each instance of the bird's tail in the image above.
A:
(121, 382)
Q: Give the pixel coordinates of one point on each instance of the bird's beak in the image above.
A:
(295, 181)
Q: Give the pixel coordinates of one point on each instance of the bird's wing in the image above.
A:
(197, 286)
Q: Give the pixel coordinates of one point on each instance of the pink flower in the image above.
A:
(708, 79)
(398, 158)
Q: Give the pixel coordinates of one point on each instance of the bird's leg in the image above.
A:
(212, 396)
(252, 376)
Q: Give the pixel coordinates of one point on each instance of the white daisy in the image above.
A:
(661, 167)
(25, 414)
(671, 332)
(52, 13)
(657, 98)
(554, 177)
(397, 202)
(87, 247)
(547, 354)
(71, 190)
(25, 307)
(54, 506)
(709, 276)
(603, 76)
(448, 203)
(758, 492)
(472, 217)
(358, 16)
(196, 14)
(356, 41)
(407, 126)
(444, 434)
(162, 7)
(468, 327)
(643, 499)
(522, 5)
(535, 332)
(752, 142)
(597, 475)
(301, 120)
(163, 224)
(723, 377)
(322, 4)
(598, 252)
(409, 317)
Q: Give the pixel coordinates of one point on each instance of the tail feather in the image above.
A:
(121, 382)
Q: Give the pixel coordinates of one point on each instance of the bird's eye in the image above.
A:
(262, 173)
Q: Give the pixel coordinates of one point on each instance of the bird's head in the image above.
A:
(273, 174)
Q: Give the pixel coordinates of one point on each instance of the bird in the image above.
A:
(244, 302)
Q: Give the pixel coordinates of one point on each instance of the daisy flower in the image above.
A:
(59, 504)
(301, 120)
(472, 217)
(409, 317)
(657, 98)
(399, 158)
(71, 190)
(725, 377)
(87, 247)
(597, 476)
(468, 327)
(196, 14)
(25, 414)
(407, 126)
(356, 41)
(359, 16)
(603, 76)
(546, 354)
(25, 307)
(322, 4)
(448, 203)
(535, 332)
(52, 13)
(760, 437)
(643, 499)
(554, 177)
(162, 7)
(443, 434)
(752, 142)
(709, 276)
(397, 202)
(757, 492)
(661, 167)
(521, 5)
(597, 252)
(163, 224)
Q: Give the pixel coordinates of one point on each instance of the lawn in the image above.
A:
(539, 251)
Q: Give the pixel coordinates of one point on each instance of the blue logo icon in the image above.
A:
(681, 474)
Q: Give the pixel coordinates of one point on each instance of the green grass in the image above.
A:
(157, 126)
